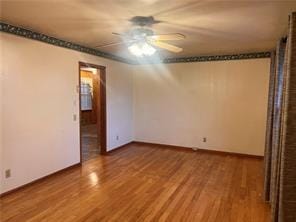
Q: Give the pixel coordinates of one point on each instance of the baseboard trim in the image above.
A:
(156, 145)
(187, 149)
(39, 180)
(118, 148)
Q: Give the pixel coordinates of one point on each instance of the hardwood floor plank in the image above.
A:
(146, 183)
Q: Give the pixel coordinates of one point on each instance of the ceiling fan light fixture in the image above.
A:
(140, 49)
(148, 49)
(135, 50)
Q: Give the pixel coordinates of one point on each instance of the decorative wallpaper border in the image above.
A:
(256, 55)
(4, 27)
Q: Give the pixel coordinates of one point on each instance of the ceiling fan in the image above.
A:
(141, 39)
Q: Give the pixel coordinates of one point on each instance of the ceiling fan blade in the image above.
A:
(167, 37)
(116, 33)
(109, 44)
(116, 43)
(166, 46)
(124, 36)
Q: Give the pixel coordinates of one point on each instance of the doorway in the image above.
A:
(92, 104)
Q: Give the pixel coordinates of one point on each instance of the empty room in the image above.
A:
(147, 110)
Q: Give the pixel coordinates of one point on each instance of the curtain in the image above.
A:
(287, 163)
(269, 126)
(280, 146)
(273, 120)
(276, 129)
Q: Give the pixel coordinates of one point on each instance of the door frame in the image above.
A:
(101, 111)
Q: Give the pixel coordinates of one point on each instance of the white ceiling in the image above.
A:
(211, 27)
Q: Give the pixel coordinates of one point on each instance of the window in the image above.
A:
(86, 96)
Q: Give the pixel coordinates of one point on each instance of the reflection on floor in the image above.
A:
(146, 183)
(89, 141)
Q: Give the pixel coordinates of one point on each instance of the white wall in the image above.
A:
(39, 100)
(225, 101)
(175, 104)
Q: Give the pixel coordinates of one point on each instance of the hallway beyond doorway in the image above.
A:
(90, 142)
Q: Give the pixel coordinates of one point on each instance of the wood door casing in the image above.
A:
(101, 108)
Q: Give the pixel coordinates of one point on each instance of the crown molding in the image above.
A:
(4, 27)
(254, 55)
(19, 31)
(209, 58)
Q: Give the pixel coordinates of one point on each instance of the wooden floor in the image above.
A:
(146, 183)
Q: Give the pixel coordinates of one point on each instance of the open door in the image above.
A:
(92, 104)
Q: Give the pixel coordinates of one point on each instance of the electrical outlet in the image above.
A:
(204, 139)
(7, 173)
(74, 117)
(117, 137)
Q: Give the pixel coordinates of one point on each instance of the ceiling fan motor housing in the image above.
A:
(143, 21)
(140, 33)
